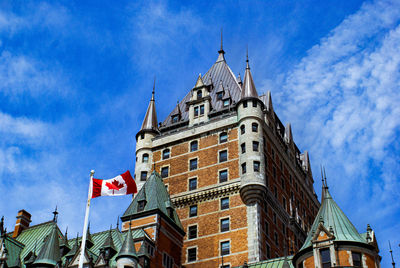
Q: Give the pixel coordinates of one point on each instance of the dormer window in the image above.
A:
(196, 111)
(220, 95)
(199, 94)
(141, 205)
(201, 109)
(325, 258)
(175, 118)
(226, 103)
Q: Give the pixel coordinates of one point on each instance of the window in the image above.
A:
(274, 217)
(175, 118)
(141, 205)
(254, 103)
(220, 95)
(145, 158)
(223, 156)
(275, 192)
(283, 183)
(199, 94)
(284, 202)
(226, 266)
(225, 248)
(284, 229)
(325, 258)
(274, 172)
(143, 176)
(168, 262)
(223, 137)
(164, 172)
(224, 203)
(226, 103)
(268, 251)
(243, 147)
(266, 228)
(192, 252)
(245, 104)
(142, 136)
(165, 154)
(242, 129)
(256, 166)
(273, 155)
(356, 259)
(192, 232)
(192, 184)
(255, 146)
(193, 211)
(254, 127)
(193, 164)
(223, 176)
(244, 168)
(201, 109)
(276, 238)
(225, 225)
(196, 111)
(194, 146)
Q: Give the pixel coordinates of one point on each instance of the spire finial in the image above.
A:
(117, 222)
(66, 231)
(222, 47)
(391, 254)
(247, 57)
(154, 89)
(55, 213)
(326, 181)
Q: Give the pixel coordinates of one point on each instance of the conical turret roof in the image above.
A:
(128, 247)
(248, 88)
(150, 119)
(50, 251)
(333, 219)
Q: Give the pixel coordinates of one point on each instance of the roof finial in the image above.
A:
(247, 57)
(154, 88)
(326, 181)
(391, 254)
(222, 47)
(55, 213)
(117, 222)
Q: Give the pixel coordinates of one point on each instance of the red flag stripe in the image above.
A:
(130, 183)
(96, 187)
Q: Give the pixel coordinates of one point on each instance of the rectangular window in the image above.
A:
(325, 258)
(254, 103)
(266, 228)
(255, 146)
(168, 262)
(196, 111)
(175, 118)
(226, 103)
(224, 203)
(254, 128)
(145, 158)
(194, 146)
(223, 176)
(356, 259)
(284, 202)
(225, 248)
(245, 104)
(193, 211)
(243, 147)
(164, 172)
(193, 164)
(276, 239)
(165, 154)
(274, 217)
(220, 95)
(256, 166)
(141, 205)
(192, 252)
(223, 156)
(143, 175)
(192, 184)
(224, 225)
(201, 109)
(275, 192)
(283, 183)
(225, 266)
(274, 172)
(268, 252)
(223, 137)
(243, 168)
(192, 232)
(242, 129)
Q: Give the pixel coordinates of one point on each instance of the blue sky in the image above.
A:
(76, 78)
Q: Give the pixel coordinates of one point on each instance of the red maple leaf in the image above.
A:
(114, 185)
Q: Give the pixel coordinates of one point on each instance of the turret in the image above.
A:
(127, 256)
(144, 143)
(251, 119)
(49, 255)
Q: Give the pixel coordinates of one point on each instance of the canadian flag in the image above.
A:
(121, 185)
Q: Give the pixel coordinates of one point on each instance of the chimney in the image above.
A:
(23, 220)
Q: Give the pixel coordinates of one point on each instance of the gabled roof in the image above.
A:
(49, 254)
(333, 219)
(219, 72)
(156, 197)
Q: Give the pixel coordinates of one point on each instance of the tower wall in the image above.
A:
(144, 145)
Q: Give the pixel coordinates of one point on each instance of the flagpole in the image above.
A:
(83, 243)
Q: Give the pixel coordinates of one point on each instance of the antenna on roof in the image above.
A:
(391, 254)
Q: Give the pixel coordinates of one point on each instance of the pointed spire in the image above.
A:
(108, 245)
(199, 82)
(248, 88)
(221, 52)
(391, 254)
(150, 119)
(269, 105)
(50, 251)
(128, 247)
(89, 240)
(239, 79)
(74, 248)
(2, 225)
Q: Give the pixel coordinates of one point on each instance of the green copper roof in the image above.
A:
(156, 196)
(35, 234)
(333, 218)
(281, 262)
(50, 251)
(128, 247)
(109, 242)
(14, 249)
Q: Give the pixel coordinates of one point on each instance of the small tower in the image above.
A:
(127, 256)
(49, 255)
(252, 164)
(144, 143)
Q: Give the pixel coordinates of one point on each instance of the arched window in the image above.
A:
(254, 127)
(165, 154)
(199, 94)
(194, 146)
(242, 129)
(223, 137)
(145, 158)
